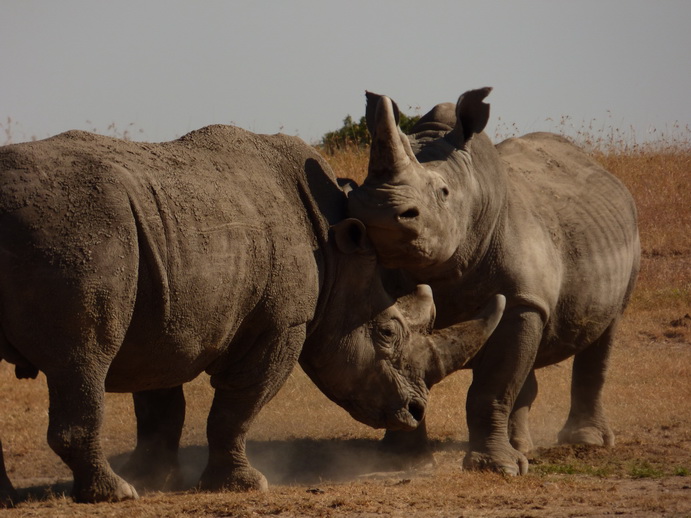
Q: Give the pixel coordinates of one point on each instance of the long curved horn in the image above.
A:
(390, 152)
(453, 347)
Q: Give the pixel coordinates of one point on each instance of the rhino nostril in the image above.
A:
(417, 410)
(409, 214)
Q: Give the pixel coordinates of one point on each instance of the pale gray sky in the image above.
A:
(300, 67)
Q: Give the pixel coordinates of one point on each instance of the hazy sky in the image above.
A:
(168, 67)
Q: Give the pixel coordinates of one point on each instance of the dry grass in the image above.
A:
(322, 463)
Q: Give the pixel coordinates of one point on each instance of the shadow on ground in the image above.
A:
(297, 461)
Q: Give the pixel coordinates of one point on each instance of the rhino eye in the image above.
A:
(387, 334)
(444, 192)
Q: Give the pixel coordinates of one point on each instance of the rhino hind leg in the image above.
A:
(76, 413)
(519, 428)
(8, 495)
(154, 462)
(241, 391)
(587, 423)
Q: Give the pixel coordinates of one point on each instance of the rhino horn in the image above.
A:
(472, 115)
(451, 348)
(390, 152)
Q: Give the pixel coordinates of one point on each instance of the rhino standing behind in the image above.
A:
(533, 218)
(133, 267)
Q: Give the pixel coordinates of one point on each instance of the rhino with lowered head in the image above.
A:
(533, 218)
(133, 267)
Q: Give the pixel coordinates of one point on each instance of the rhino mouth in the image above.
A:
(402, 253)
(405, 418)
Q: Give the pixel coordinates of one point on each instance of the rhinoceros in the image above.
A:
(534, 218)
(134, 267)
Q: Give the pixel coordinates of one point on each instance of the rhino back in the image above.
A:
(202, 238)
(589, 223)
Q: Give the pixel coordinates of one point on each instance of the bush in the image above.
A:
(355, 134)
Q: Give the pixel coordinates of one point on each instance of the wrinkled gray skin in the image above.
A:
(533, 218)
(133, 267)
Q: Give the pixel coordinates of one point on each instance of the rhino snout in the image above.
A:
(408, 417)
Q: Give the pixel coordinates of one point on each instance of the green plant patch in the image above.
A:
(643, 469)
(574, 469)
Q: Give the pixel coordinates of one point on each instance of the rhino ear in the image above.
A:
(351, 237)
(371, 111)
(472, 115)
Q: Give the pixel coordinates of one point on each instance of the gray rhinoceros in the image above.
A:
(133, 267)
(533, 218)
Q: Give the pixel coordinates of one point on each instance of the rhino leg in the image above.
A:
(499, 373)
(160, 417)
(241, 391)
(587, 423)
(519, 428)
(76, 414)
(410, 448)
(8, 495)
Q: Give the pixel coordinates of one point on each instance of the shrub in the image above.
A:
(355, 134)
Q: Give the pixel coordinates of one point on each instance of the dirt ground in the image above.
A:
(320, 462)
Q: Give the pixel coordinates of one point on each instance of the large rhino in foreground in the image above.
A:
(533, 218)
(133, 267)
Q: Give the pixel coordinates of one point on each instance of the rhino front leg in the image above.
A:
(76, 415)
(160, 416)
(499, 373)
(519, 427)
(241, 391)
(587, 423)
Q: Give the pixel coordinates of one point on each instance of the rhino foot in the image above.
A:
(523, 443)
(108, 489)
(407, 449)
(235, 479)
(589, 435)
(507, 461)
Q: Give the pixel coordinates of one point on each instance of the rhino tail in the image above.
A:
(23, 368)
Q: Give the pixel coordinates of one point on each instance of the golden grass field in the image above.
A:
(320, 462)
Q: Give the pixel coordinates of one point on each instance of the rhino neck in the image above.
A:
(331, 346)
(325, 204)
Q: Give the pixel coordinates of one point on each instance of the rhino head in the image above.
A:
(375, 356)
(429, 209)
